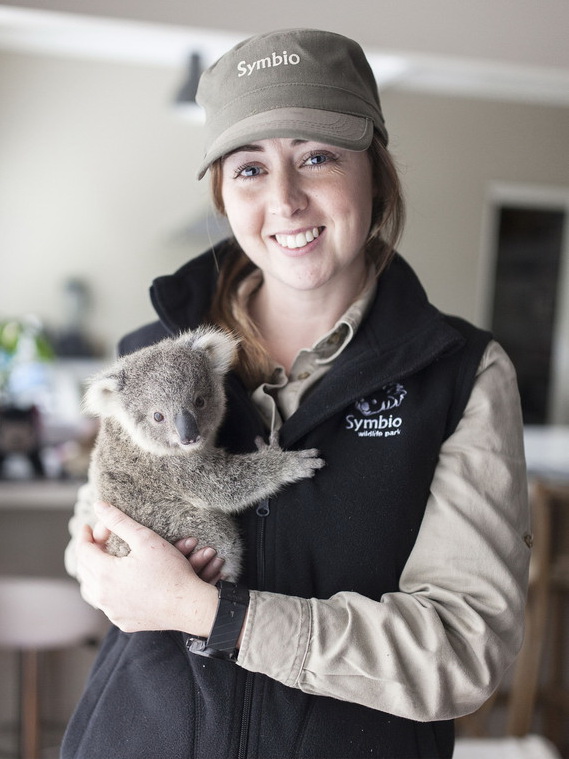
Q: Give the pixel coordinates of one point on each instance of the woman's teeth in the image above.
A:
(299, 240)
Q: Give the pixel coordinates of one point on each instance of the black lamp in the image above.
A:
(187, 93)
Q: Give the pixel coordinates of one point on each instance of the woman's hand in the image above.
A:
(155, 587)
(205, 561)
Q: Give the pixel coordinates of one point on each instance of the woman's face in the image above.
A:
(300, 210)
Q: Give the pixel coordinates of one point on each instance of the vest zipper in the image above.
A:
(245, 717)
(263, 510)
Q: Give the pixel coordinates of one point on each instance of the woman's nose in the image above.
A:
(287, 195)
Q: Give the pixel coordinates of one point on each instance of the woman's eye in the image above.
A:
(248, 171)
(158, 417)
(317, 159)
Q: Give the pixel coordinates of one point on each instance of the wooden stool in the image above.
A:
(555, 690)
(532, 689)
(40, 614)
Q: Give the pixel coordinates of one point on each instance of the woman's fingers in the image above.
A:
(206, 563)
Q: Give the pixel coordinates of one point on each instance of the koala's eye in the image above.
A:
(158, 417)
(199, 402)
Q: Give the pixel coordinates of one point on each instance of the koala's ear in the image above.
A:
(101, 397)
(220, 346)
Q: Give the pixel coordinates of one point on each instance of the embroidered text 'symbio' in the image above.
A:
(276, 59)
(379, 426)
(371, 419)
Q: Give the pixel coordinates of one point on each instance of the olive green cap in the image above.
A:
(299, 83)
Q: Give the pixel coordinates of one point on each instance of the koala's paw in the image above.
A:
(307, 462)
(117, 546)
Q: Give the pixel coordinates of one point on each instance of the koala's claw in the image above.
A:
(310, 461)
(311, 453)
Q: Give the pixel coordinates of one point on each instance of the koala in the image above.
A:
(155, 456)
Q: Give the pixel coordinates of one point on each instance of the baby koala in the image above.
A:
(155, 456)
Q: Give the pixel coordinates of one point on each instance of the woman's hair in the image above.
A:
(388, 215)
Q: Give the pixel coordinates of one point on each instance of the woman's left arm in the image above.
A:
(438, 647)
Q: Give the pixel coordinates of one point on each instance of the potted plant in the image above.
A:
(23, 348)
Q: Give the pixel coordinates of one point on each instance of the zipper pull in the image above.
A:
(263, 509)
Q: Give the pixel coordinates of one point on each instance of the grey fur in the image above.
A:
(180, 489)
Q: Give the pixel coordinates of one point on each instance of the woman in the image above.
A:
(384, 597)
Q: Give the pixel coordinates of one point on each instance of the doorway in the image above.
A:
(527, 294)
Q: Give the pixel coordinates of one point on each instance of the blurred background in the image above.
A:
(99, 147)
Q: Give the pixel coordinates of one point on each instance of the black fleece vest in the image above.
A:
(379, 418)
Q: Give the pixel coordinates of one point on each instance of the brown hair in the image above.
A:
(388, 215)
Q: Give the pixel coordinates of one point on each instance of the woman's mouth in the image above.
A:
(298, 240)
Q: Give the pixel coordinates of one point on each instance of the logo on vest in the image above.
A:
(271, 61)
(372, 417)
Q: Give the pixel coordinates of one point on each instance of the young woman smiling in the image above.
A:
(384, 597)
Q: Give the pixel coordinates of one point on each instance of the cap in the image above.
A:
(300, 83)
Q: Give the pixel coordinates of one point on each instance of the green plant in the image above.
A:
(22, 341)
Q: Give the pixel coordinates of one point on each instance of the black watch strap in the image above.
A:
(232, 605)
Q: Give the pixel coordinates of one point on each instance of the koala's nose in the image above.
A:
(187, 427)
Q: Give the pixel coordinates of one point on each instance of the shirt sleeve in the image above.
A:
(438, 647)
(83, 513)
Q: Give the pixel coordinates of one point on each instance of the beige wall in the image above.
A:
(97, 177)
(451, 150)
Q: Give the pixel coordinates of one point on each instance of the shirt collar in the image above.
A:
(328, 347)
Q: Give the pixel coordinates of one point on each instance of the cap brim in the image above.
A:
(339, 129)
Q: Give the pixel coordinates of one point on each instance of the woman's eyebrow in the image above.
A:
(245, 149)
(258, 148)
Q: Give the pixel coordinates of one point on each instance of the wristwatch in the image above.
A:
(232, 605)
